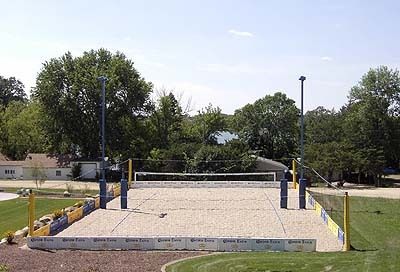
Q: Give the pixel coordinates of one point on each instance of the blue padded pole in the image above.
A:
(124, 193)
(284, 193)
(302, 194)
(103, 194)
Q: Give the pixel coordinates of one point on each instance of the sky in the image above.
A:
(227, 53)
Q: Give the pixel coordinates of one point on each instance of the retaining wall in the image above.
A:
(173, 243)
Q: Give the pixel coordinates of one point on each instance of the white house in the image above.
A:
(10, 169)
(89, 168)
(55, 167)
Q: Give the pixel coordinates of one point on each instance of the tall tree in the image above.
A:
(11, 89)
(21, 130)
(69, 91)
(269, 126)
(167, 120)
(374, 110)
(208, 124)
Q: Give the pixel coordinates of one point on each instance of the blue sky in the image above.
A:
(228, 53)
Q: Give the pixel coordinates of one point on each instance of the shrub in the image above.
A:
(85, 189)
(76, 170)
(79, 204)
(4, 268)
(70, 187)
(9, 235)
(58, 214)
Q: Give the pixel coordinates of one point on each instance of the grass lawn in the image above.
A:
(14, 212)
(375, 236)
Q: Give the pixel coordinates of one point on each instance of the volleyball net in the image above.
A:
(328, 199)
(159, 179)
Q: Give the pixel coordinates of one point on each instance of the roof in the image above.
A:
(48, 160)
(11, 163)
(3, 157)
(5, 161)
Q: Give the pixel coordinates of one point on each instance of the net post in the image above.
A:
(284, 193)
(124, 193)
(129, 172)
(31, 213)
(103, 194)
(346, 222)
(294, 175)
(302, 193)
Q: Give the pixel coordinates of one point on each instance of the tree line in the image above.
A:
(63, 112)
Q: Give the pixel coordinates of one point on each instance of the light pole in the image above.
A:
(302, 78)
(302, 182)
(103, 185)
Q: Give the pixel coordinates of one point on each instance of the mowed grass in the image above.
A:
(375, 238)
(14, 212)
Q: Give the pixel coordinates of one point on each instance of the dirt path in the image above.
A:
(17, 259)
(49, 184)
(7, 196)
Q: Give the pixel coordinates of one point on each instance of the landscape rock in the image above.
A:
(70, 209)
(66, 194)
(46, 219)
(21, 233)
(38, 224)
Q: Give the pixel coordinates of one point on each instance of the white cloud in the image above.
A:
(241, 33)
(327, 58)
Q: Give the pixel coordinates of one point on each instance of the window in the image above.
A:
(9, 172)
(6, 171)
(58, 173)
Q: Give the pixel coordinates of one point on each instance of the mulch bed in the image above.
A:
(17, 259)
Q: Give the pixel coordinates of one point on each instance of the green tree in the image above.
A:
(11, 89)
(38, 174)
(269, 126)
(167, 120)
(208, 124)
(22, 130)
(69, 91)
(374, 110)
(231, 157)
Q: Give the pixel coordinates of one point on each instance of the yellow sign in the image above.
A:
(117, 191)
(97, 202)
(43, 231)
(75, 215)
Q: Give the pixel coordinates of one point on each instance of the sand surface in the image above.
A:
(207, 212)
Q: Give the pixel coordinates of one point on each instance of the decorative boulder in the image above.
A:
(46, 219)
(21, 233)
(70, 209)
(66, 194)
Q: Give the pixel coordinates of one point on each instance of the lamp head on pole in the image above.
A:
(302, 78)
(102, 78)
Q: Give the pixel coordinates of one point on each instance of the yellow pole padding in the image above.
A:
(129, 173)
(294, 174)
(31, 214)
(346, 222)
